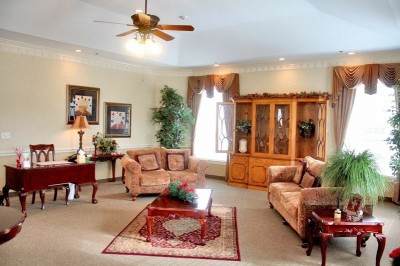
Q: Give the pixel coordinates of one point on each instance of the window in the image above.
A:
(368, 127)
(204, 144)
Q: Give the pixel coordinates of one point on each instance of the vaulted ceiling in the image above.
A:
(226, 31)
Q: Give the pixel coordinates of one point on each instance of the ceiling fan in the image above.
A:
(147, 25)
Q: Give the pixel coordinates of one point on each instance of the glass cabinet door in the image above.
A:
(225, 115)
(262, 128)
(281, 129)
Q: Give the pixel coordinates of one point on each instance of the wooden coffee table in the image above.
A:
(10, 223)
(164, 205)
(323, 223)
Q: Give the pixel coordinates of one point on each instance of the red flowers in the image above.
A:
(395, 253)
(183, 185)
(166, 191)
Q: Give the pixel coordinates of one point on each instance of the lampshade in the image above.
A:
(81, 122)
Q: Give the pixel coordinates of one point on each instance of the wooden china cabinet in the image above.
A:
(274, 137)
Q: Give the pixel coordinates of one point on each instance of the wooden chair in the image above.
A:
(45, 153)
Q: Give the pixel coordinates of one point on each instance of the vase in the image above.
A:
(243, 145)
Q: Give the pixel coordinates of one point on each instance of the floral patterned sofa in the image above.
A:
(295, 190)
(151, 170)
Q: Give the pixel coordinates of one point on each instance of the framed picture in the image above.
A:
(83, 101)
(117, 120)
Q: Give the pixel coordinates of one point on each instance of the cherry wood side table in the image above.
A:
(164, 205)
(112, 158)
(323, 223)
(10, 223)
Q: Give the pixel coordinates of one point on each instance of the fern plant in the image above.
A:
(356, 173)
(173, 117)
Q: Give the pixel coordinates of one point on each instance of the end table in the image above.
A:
(323, 223)
(112, 158)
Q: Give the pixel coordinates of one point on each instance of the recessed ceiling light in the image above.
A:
(139, 11)
(183, 17)
(351, 53)
(78, 50)
(281, 59)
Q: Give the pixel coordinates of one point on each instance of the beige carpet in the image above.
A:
(77, 234)
(180, 237)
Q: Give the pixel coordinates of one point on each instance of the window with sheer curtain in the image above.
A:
(205, 133)
(368, 127)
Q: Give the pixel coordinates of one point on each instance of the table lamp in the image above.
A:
(80, 123)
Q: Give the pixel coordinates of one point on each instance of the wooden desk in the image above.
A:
(323, 223)
(112, 158)
(24, 180)
(164, 205)
(10, 223)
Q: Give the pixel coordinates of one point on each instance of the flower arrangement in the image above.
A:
(180, 191)
(306, 129)
(105, 145)
(244, 126)
(18, 152)
(303, 94)
(395, 255)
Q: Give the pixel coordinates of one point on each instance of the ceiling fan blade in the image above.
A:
(175, 27)
(126, 33)
(113, 22)
(162, 35)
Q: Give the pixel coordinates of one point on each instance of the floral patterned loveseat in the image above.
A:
(151, 170)
(295, 190)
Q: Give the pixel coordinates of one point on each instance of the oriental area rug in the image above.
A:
(179, 237)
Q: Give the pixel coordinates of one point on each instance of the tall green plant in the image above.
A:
(173, 117)
(394, 138)
(356, 173)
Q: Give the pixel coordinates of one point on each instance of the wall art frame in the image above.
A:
(117, 120)
(82, 100)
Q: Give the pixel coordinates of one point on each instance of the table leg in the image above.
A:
(149, 221)
(203, 225)
(77, 189)
(359, 240)
(381, 238)
(22, 199)
(309, 235)
(95, 187)
(67, 190)
(324, 239)
(113, 170)
(6, 197)
(42, 194)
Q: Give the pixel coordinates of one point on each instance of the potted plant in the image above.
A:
(394, 144)
(306, 129)
(244, 126)
(173, 117)
(357, 173)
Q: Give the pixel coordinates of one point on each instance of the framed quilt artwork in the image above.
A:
(83, 101)
(117, 123)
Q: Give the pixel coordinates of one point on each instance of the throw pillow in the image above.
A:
(176, 161)
(301, 167)
(148, 162)
(308, 180)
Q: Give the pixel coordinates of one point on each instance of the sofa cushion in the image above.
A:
(184, 176)
(154, 178)
(156, 151)
(276, 189)
(290, 200)
(176, 161)
(164, 152)
(314, 166)
(308, 180)
(301, 167)
(148, 162)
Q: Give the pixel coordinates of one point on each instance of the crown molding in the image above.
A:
(10, 46)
